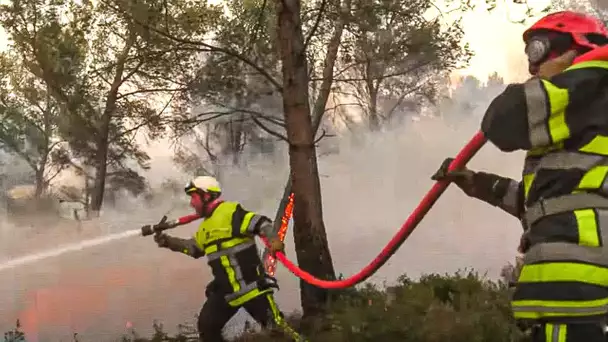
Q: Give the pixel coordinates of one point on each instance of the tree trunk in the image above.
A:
(101, 159)
(310, 238)
(372, 105)
(324, 91)
(40, 182)
(101, 165)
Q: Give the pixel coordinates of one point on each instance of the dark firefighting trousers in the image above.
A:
(216, 312)
(568, 333)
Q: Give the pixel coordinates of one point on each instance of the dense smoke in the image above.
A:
(370, 182)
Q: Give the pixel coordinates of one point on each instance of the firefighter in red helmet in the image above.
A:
(560, 118)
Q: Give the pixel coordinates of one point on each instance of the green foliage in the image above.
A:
(28, 121)
(393, 55)
(107, 74)
(237, 86)
(463, 307)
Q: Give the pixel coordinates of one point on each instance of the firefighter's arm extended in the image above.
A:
(499, 191)
(533, 114)
(185, 246)
(502, 192)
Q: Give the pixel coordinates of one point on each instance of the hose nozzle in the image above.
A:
(154, 229)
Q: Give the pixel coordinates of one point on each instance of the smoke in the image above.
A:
(369, 188)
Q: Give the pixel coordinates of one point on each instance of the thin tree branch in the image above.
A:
(153, 90)
(208, 47)
(268, 130)
(315, 27)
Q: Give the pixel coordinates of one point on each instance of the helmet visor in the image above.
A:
(190, 188)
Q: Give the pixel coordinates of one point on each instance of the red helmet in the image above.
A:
(578, 25)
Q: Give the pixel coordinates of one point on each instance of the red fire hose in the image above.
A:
(463, 157)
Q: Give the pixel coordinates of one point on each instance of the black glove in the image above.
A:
(524, 242)
(162, 240)
(211, 288)
(157, 228)
(462, 177)
(162, 225)
(451, 176)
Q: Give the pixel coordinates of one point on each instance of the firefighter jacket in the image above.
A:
(226, 238)
(562, 200)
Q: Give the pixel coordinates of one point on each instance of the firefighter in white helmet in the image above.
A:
(226, 237)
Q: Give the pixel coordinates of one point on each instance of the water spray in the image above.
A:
(28, 259)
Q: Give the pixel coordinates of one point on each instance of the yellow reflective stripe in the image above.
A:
(541, 315)
(597, 145)
(245, 224)
(562, 332)
(273, 307)
(528, 179)
(564, 271)
(549, 333)
(588, 234)
(594, 178)
(589, 64)
(280, 322)
(555, 332)
(230, 272)
(586, 219)
(226, 244)
(248, 296)
(199, 239)
(545, 308)
(558, 101)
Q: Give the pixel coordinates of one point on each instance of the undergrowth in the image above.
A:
(463, 307)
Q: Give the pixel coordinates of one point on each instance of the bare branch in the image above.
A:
(152, 90)
(328, 68)
(323, 135)
(207, 47)
(258, 24)
(268, 130)
(315, 27)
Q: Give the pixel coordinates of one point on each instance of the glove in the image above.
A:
(556, 65)
(162, 240)
(463, 177)
(276, 245)
(211, 288)
(524, 242)
(163, 224)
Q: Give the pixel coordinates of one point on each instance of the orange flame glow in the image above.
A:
(271, 262)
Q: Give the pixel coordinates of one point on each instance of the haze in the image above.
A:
(369, 189)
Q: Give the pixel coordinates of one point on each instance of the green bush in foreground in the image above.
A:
(463, 307)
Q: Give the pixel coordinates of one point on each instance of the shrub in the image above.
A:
(463, 307)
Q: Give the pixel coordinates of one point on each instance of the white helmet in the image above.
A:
(203, 184)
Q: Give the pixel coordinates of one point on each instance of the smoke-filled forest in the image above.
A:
(109, 107)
